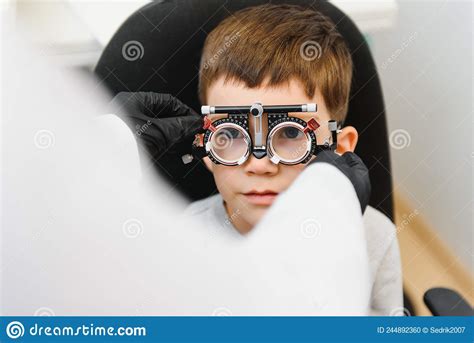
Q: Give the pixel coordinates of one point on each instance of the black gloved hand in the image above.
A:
(352, 166)
(159, 121)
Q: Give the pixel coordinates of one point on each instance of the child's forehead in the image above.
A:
(235, 92)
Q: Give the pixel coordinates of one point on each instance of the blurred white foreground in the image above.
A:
(83, 234)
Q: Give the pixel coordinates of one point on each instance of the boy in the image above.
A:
(276, 55)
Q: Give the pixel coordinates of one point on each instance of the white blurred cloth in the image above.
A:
(314, 234)
(83, 234)
(300, 216)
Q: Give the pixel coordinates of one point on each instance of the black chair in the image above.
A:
(171, 36)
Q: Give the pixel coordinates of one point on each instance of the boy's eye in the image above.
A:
(291, 133)
(229, 133)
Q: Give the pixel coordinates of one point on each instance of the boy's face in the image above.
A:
(249, 189)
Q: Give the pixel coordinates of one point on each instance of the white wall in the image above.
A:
(426, 70)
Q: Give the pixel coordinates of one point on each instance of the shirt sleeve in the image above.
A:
(387, 291)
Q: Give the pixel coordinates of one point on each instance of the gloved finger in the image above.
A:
(353, 160)
(328, 156)
(151, 105)
(166, 105)
(179, 128)
(160, 135)
(358, 172)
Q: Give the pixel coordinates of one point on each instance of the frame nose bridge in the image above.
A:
(258, 127)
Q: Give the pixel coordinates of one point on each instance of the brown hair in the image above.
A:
(280, 42)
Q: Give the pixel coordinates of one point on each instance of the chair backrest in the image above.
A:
(169, 37)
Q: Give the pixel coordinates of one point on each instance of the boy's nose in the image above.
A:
(260, 166)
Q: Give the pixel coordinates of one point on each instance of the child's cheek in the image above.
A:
(290, 173)
(226, 180)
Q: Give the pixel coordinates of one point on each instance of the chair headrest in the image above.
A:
(169, 37)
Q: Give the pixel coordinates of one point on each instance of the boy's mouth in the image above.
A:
(263, 198)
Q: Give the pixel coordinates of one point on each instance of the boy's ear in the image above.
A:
(347, 139)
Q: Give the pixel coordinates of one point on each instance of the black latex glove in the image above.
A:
(352, 166)
(159, 121)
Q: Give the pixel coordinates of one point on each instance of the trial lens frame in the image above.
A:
(277, 116)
